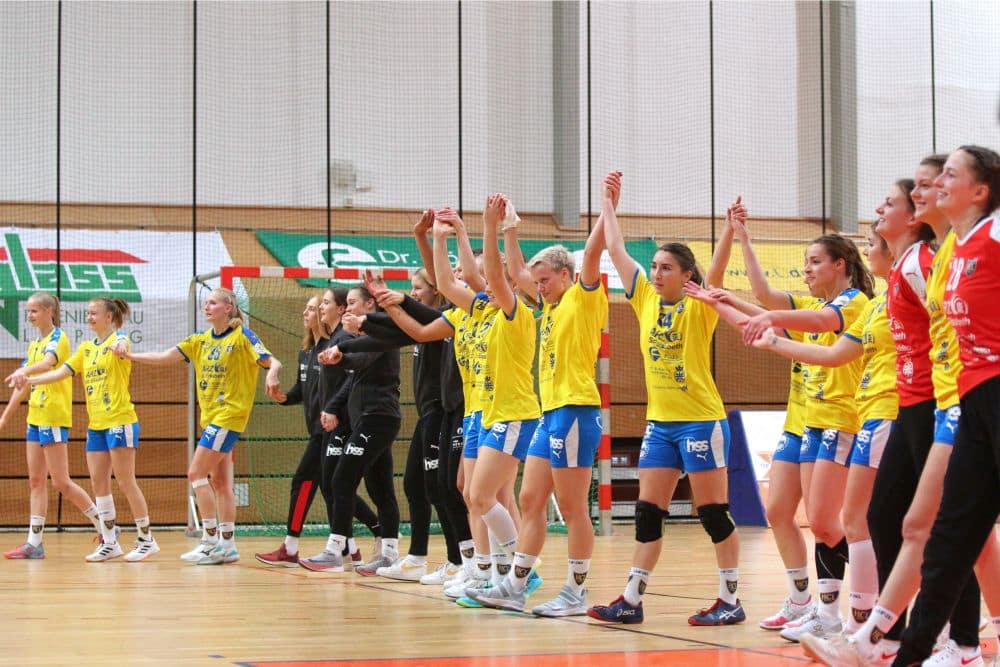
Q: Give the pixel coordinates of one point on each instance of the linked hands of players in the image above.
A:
(331, 356)
(699, 293)
(446, 221)
(736, 218)
(375, 284)
(612, 187)
(425, 223)
(353, 323)
(13, 379)
(493, 213)
(767, 340)
(328, 421)
(120, 348)
(272, 387)
(390, 298)
(756, 326)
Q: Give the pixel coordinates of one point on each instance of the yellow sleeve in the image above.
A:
(75, 361)
(189, 346)
(642, 293)
(856, 330)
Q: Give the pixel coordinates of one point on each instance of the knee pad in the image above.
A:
(648, 521)
(716, 521)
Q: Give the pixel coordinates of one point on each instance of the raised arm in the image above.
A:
(516, 266)
(465, 257)
(624, 264)
(495, 278)
(769, 297)
(716, 275)
(422, 333)
(458, 294)
(420, 231)
(843, 351)
(590, 268)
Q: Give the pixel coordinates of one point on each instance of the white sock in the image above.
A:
(502, 527)
(106, 511)
(335, 543)
(501, 566)
(291, 545)
(576, 574)
(829, 598)
(879, 622)
(92, 514)
(483, 567)
(390, 548)
(468, 549)
(863, 573)
(638, 579)
(142, 530)
(352, 546)
(518, 576)
(36, 526)
(227, 531)
(210, 530)
(728, 580)
(798, 584)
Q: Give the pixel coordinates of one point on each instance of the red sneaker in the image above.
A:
(279, 558)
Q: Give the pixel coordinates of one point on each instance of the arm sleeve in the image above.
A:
(418, 311)
(336, 404)
(374, 343)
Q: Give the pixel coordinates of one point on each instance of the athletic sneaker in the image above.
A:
(370, 569)
(219, 555)
(324, 561)
(619, 611)
(953, 655)
(837, 651)
(26, 552)
(567, 603)
(403, 570)
(445, 572)
(105, 552)
(278, 558)
(790, 611)
(99, 539)
(456, 584)
(813, 624)
(204, 547)
(468, 599)
(355, 560)
(501, 597)
(534, 582)
(143, 549)
(720, 613)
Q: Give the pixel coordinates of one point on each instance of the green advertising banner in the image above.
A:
(310, 250)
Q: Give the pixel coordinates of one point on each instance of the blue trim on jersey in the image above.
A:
(635, 279)
(946, 425)
(854, 338)
(186, 359)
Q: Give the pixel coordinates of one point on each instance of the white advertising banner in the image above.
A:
(150, 270)
(763, 429)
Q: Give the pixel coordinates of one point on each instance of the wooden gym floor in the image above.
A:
(64, 611)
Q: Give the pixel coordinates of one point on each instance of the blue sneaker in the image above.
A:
(619, 611)
(534, 581)
(469, 603)
(720, 613)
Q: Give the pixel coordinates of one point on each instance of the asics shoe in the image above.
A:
(789, 612)
(619, 611)
(567, 603)
(324, 561)
(720, 613)
(813, 624)
(105, 552)
(143, 549)
(279, 558)
(204, 547)
(220, 555)
(26, 552)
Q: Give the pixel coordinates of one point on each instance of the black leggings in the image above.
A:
(970, 503)
(895, 486)
(449, 460)
(420, 482)
(368, 454)
(330, 454)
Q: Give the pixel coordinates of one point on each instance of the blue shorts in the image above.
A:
(472, 427)
(218, 439)
(46, 435)
(510, 437)
(946, 425)
(869, 443)
(688, 446)
(106, 439)
(828, 444)
(788, 448)
(568, 436)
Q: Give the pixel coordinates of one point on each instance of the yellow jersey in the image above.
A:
(676, 339)
(105, 383)
(944, 346)
(50, 404)
(830, 391)
(876, 395)
(507, 388)
(481, 314)
(570, 338)
(225, 370)
(461, 322)
(795, 412)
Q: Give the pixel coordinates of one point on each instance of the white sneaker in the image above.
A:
(838, 651)
(219, 555)
(445, 571)
(105, 552)
(403, 570)
(460, 579)
(458, 588)
(789, 612)
(143, 549)
(204, 547)
(813, 624)
(953, 655)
